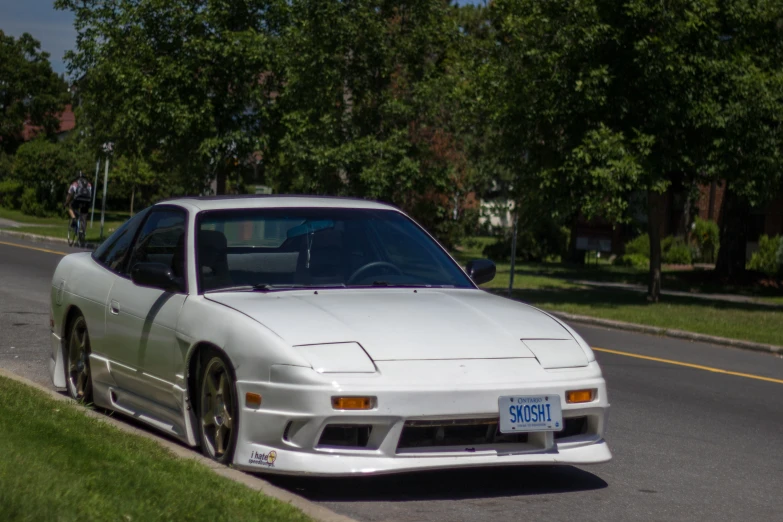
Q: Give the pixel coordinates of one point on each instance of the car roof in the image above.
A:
(274, 201)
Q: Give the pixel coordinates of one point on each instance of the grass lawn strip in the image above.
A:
(721, 319)
(92, 235)
(549, 286)
(60, 464)
(56, 226)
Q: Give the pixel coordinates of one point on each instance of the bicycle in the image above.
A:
(76, 233)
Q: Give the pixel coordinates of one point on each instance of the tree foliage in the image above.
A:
(601, 97)
(44, 169)
(562, 107)
(29, 90)
(180, 80)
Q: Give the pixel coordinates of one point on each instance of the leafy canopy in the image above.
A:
(29, 90)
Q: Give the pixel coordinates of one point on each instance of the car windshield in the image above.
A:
(274, 249)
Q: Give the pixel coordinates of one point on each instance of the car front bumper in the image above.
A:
(285, 434)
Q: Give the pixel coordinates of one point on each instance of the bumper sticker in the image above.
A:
(263, 459)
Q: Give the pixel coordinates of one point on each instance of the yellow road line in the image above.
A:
(34, 248)
(689, 365)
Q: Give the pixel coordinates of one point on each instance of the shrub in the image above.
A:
(635, 260)
(11, 194)
(706, 236)
(547, 242)
(31, 204)
(780, 257)
(639, 246)
(675, 251)
(765, 259)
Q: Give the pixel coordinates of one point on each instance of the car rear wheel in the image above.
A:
(217, 409)
(78, 378)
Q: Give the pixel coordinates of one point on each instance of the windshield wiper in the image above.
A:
(402, 285)
(264, 287)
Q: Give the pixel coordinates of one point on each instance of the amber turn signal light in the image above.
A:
(353, 403)
(576, 396)
(253, 400)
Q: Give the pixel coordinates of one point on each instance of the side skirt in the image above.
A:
(107, 394)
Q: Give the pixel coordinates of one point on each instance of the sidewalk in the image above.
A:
(7, 223)
(729, 298)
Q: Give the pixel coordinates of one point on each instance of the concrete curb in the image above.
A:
(312, 510)
(679, 334)
(38, 238)
(32, 237)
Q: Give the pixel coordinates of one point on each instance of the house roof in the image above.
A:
(67, 123)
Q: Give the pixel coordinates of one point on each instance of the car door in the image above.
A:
(95, 285)
(141, 321)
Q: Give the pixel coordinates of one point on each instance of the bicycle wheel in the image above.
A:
(71, 234)
(82, 230)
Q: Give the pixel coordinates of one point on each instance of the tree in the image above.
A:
(29, 90)
(605, 96)
(136, 179)
(45, 168)
(549, 86)
(364, 106)
(747, 152)
(178, 80)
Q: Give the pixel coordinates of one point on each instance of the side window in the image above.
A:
(114, 250)
(162, 240)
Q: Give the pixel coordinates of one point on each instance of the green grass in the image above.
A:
(734, 320)
(61, 231)
(59, 464)
(16, 215)
(551, 286)
(57, 226)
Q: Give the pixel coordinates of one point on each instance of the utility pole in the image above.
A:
(95, 190)
(513, 253)
(107, 148)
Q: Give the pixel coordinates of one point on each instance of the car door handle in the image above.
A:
(114, 308)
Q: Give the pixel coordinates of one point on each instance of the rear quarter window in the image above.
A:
(114, 251)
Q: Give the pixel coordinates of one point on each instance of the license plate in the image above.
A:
(530, 413)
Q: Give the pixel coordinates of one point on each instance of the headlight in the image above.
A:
(337, 358)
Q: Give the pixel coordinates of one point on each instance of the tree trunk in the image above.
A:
(655, 217)
(733, 236)
(133, 196)
(220, 185)
(575, 256)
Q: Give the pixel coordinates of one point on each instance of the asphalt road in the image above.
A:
(688, 443)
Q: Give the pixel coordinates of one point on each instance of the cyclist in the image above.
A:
(79, 198)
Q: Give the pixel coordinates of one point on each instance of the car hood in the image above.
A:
(403, 324)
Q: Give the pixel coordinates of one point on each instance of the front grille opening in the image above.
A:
(468, 433)
(345, 436)
(571, 427)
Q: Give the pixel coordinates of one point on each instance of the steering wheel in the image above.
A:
(369, 266)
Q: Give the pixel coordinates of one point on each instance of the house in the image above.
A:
(67, 124)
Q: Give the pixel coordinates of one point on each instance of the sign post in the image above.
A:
(95, 190)
(513, 255)
(107, 148)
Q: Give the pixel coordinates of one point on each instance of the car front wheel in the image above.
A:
(77, 372)
(217, 409)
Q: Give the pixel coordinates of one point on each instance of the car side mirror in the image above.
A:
(156, 275)
(481, 270)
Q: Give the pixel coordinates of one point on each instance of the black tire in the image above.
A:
(71, 235)
(218, 407)
(82, 230)
(78, 377)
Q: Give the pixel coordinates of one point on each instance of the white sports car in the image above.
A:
(319, 336)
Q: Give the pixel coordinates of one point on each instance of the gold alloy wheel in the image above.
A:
(217, 409)
(79, 380)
